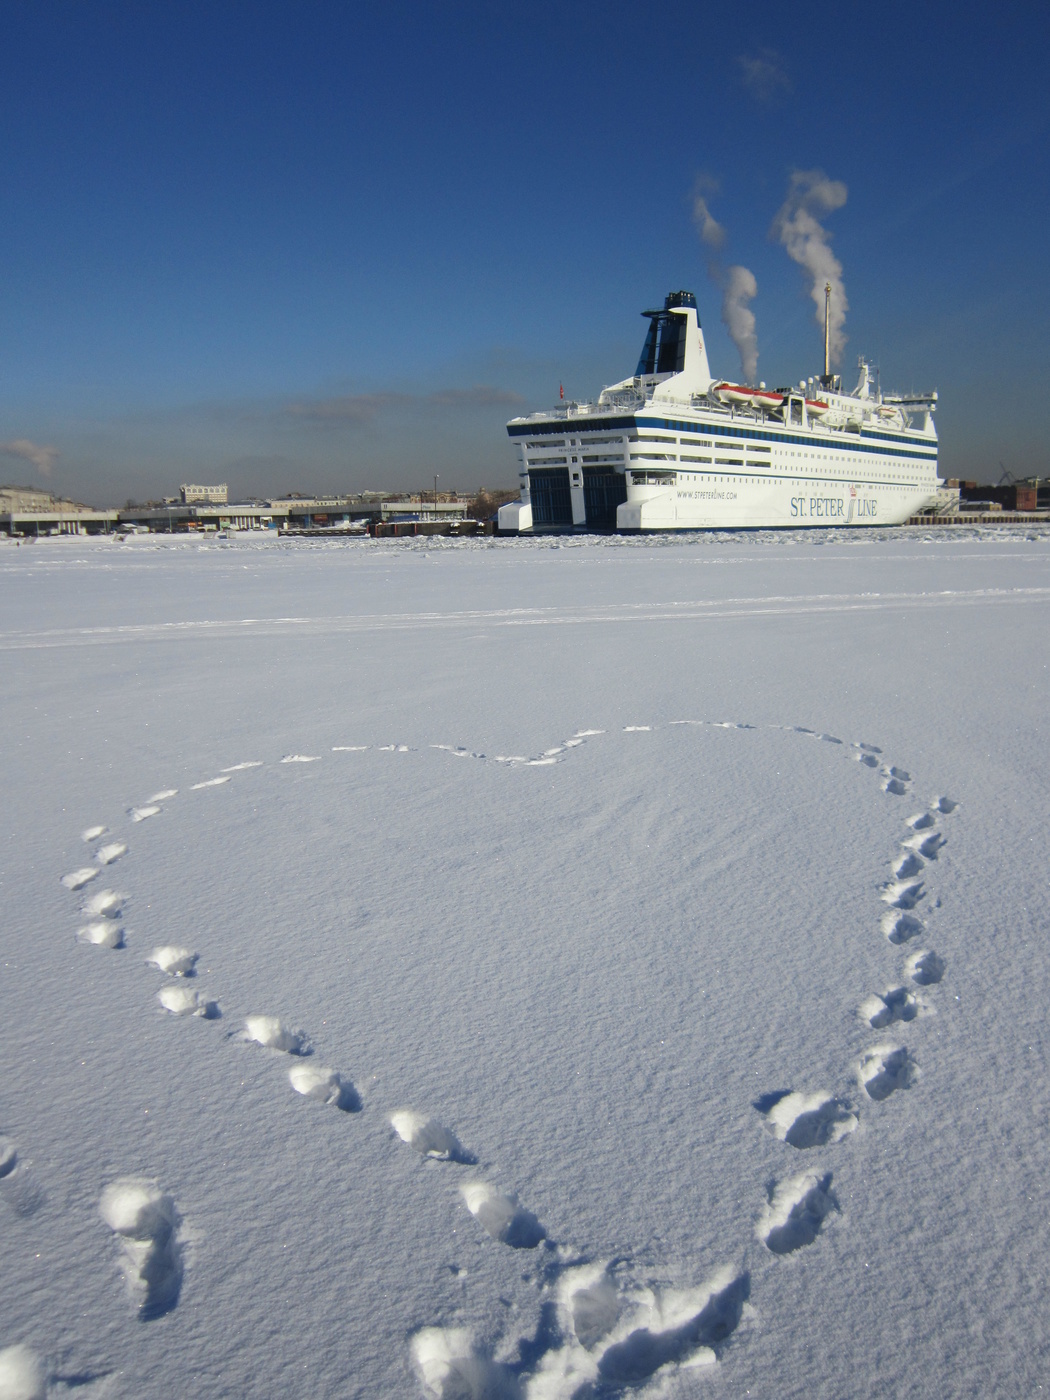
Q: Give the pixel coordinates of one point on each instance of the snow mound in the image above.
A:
(148, 1223)
(176, 962)
(324, 1085)
(273, 1034)
(104, 933)
(502, 1216)
(810, 1120)
(22, 1375)
(428, 1136)
(796, 1213)
(106, 855)
(181, 1000)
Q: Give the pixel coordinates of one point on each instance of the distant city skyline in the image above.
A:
(334, 248)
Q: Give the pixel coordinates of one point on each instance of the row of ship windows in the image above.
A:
(609, 460)
(668, 479)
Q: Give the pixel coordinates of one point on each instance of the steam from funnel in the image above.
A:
(710, 230)
(739, 288)
(737, 284)
(797, 227)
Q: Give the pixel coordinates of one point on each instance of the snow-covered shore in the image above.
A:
(525, 967)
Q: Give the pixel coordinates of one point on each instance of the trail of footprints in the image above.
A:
(604, 1332)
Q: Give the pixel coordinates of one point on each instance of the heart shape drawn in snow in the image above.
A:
(581, 980)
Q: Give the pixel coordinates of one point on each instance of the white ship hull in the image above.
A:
(672, 450)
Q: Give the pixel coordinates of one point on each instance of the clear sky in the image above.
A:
(318, 245)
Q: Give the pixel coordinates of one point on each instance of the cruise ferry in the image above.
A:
(674, 448)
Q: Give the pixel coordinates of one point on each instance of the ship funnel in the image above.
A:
(674, 350)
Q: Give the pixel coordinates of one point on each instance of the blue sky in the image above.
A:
(323, 246)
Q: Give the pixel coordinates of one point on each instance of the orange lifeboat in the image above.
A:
(768, 399)
(733, 393)
(816, 408)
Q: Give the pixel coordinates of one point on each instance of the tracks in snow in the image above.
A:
(607, 1331)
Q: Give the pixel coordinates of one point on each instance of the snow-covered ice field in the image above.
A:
(525, 968)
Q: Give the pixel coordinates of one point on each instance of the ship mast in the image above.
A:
(826, 381)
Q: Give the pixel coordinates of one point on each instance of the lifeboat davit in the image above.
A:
(767, 399)
(733, 393)
(816, 408)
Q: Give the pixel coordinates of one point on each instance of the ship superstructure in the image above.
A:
(674, 448)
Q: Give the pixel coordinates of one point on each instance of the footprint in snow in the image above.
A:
(672, 1328)
(908, 865)
(148, 1224)
(141, 814)
(921, 821)
(903, 894)
(796, 1211)
(106, 855)
(301, 758)
(22, 1374)
(163, 795)
(180, 1000)
(502, 1216)
(925, 968)
(272, 1034)
(451, 1368)
(240, 767)
(637, 728)
(868, 759)
(806, 1120)
(104, 904)
(176, 962)
(885, 1069)
(77, 879)
(893, 783)
(925, 843)
(93, 833)
(18, 1189)
(944, 804)
(898, 928)
(103, 933)
(325, 1086)
(429, 1137)
(211, 782)
(897, 1004)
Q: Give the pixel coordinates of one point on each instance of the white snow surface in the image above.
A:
(725, 1054)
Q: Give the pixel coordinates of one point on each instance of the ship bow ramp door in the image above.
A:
(551, 497)
(603, 490)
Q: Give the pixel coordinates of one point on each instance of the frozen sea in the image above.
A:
(532, 969)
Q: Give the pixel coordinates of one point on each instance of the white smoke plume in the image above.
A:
(797, 226)
(737, 284)
(739, 288)
(710, 230)
(43, 458)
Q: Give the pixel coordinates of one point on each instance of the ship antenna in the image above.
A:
(827, 336)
